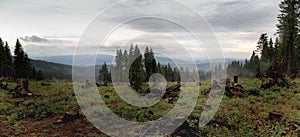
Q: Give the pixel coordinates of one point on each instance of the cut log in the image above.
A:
(175, 88)
(45, 84)
(57, 122)
(170, 95)
(172, 92)
(238, 88)
(275, 115)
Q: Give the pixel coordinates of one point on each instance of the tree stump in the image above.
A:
(71, 116)
(186, 131)
(275, 116)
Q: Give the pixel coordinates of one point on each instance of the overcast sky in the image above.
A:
(49, 28)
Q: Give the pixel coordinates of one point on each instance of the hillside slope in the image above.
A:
(53, 70)
(58, 71)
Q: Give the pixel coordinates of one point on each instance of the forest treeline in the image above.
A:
(17, 66)
(137, 68)
(281, 56)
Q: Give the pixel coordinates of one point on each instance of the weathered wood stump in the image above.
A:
(235, 79)
(71, 116)
(234, 89)
(172, 92)
(101, 85)
(275, 115)
(186, 131)
(238, 88)
(106, 96)
(171, 101)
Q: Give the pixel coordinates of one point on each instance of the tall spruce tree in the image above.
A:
(118, 67)
(298, 55)
(149, 62)
(2, 58)
(153, 62)
(253, 65)
(265, 52)
(22, 65)
(272, 51)
(288, 30)
(130, 61)
(169, 73)
(159, 68)
(8, 66)
(125, 71)
(176, 74)
(137, 70)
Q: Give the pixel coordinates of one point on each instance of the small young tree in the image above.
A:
(39, 75)
(104, 75)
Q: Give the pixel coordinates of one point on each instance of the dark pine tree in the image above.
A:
(288, 30)
(125, 70)
(265, 51)
(118, 67)
(170, 76)
(22, 65)
(149, 62)
(104, 75)
(8, 66)
(137, 70)
(129, 62)
(252, 67)
(40, 75)
(2, 58)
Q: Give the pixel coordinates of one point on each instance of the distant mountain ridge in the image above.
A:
(68, 59)
(59, 71)
(60, 67)
(102, 58)
(53, 70)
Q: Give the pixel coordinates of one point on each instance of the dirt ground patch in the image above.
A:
(49, 127)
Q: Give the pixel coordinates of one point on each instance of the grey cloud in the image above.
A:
(243, 15)
(44, 46)
(33, 38)
(236, 3)
(155, 25)
(48, 40)
(161, 11)
(228, 17)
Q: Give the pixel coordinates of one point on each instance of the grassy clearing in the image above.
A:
(249, 116)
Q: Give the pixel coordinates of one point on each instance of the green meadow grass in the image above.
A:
(248, 116)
